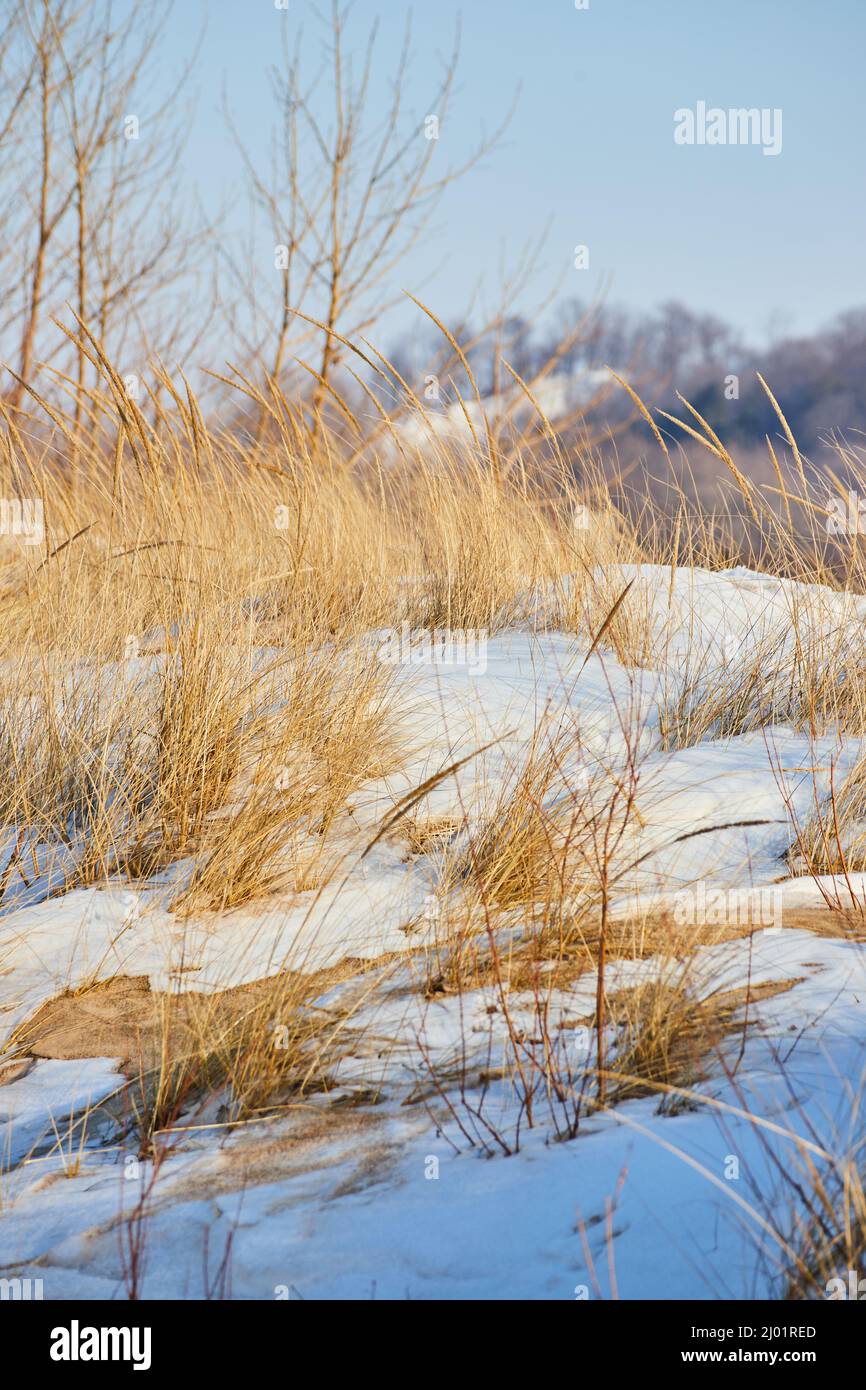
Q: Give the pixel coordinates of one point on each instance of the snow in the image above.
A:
(556, 397)
(51, 1103)
(333, 1203)
(342, 1219)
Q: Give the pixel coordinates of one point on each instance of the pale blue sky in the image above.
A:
(590, 150)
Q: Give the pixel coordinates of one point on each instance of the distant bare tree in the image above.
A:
(345, 199)
(91, 157)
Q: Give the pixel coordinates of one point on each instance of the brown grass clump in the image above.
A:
(833, 839)
(666, 1037)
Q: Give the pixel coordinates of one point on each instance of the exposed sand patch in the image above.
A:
(125, 1018)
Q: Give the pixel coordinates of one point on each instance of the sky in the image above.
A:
(769, 243)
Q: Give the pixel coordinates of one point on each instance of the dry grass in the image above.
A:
(667, 1037)
(833, 839)
(827, 1240)
(189, 691)
(248, 1050)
